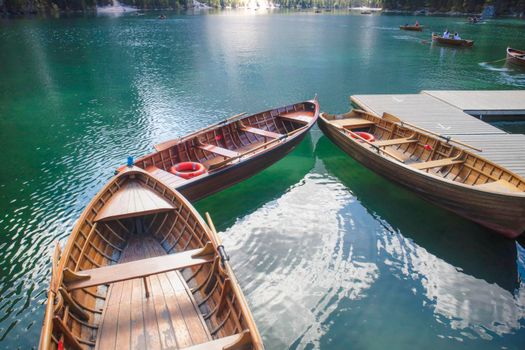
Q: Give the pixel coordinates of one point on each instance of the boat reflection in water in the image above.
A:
(467, 274)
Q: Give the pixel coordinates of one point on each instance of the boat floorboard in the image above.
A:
(168, 318)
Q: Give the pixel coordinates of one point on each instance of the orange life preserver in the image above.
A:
(365, 135)
(187, 170)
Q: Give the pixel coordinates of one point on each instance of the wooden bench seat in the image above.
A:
(138, 268)
(297, 117)
(166, 177)
(218, 150)
(436, 163)
(499, 186)
(352, 123)
(394, 142)
(265, 133)
(169, 318)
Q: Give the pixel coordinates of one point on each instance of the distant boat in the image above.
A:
(451, 42)
(435, 168)
(515, 56)
(474, 20)
(140, 268)
(221, 155)
(415, 28)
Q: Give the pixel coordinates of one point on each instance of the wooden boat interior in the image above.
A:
(136, 277)
(425, 152)
(218, 146)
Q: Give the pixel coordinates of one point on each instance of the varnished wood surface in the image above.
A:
(168, 318)
(500, 205)
(143, 268)
(233, 150)
(442, 112)
(195, 304)
(166, 177)
(133, 199)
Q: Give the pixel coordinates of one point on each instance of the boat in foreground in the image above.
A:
(415, 28)
(433, 167)
(216, 157)
(451, 42)
(515, 56)
(141, 269)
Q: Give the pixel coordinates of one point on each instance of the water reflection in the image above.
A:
(468, 275)
(296, 263)
(459, 242)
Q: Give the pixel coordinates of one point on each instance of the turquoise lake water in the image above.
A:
(329, 254)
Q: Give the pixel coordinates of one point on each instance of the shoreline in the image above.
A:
(56, 12)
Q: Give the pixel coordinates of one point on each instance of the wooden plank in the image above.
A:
(137, 325)
(499, 186)
(124, 317)
(133, 199)
(218, 150)
(352, 123)
(394, 142)
(436, 163)
(140, 268)
(166, 332)
(166, 177)
(217, 344)
(261, 132)
(297, 117)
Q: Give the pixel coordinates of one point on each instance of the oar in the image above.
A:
(379, 149)
(395, 119)
(218, 241)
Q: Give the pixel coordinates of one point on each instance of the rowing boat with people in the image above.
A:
(440, 169)
(451, 41)
(142, 270)
(216, 157)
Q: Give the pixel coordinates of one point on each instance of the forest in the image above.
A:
(503, 7)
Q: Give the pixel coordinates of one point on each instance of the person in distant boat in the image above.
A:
(446, 34)
(417, 23)
(162, 16)
(456, 36)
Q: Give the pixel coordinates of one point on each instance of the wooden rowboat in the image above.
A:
(232, 150)
(448, 175)
(412, 28)
(515, 56)
(451, 42)
(141, 269)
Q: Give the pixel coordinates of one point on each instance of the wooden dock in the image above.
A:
(444, 112)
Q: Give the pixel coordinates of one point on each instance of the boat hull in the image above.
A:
(511, 57)
(452, 42)
(412, 28)
(500, 213)
(212, 183)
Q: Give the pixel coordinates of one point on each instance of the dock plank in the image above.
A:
(428, 110)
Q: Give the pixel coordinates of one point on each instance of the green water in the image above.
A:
(329, 254)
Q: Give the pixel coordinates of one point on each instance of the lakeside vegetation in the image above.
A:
(502, 7)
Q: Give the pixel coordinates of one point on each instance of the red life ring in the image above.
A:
(187, 170)
(365, 135)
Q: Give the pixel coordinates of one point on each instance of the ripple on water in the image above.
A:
(295, 263)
